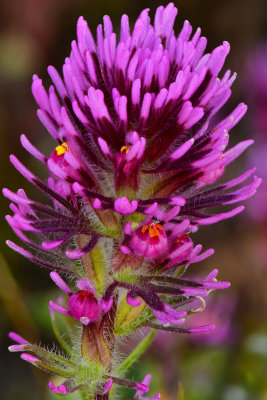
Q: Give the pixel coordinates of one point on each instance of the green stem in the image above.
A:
(83, 393)
(136, 353)
(180, 394)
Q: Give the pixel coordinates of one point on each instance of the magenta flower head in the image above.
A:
(132, 176)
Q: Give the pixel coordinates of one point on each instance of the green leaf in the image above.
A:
(95, 264)
(129, 318)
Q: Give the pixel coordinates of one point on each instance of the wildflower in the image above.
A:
(83, 305)
(136, 152)
(149, 240)
(169, 90)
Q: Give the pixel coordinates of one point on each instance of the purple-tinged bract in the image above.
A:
(132, 118)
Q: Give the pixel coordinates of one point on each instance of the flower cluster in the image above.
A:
(132, 176)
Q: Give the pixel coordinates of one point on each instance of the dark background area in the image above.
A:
(37, 33)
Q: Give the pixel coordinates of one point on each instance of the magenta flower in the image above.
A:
(165, 87)
(131, 178)
(83, 305)
(150, 240)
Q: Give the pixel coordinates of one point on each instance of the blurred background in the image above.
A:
(230, 364)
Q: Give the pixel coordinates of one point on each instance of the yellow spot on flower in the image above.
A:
(153, 229)
(62, 149)
(134, 225)
(126, 149)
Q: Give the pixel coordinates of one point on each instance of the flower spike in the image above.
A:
(132, 175)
